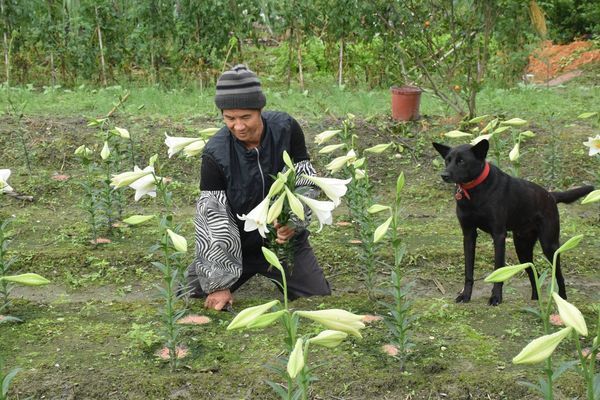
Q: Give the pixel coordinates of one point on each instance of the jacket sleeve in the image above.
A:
(218, 261)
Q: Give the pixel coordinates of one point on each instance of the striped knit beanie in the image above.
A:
(239, 88)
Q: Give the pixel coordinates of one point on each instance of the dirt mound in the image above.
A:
(552, 60)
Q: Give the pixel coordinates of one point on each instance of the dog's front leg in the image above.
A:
(499, 260)
(469, 241)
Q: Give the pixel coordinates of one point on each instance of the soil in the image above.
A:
(560, 63)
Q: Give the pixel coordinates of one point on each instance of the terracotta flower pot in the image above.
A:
(405, 102)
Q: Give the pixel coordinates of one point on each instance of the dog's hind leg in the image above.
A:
(549, 242)
(524, 244)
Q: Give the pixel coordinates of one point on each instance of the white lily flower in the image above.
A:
(296, 361)
(257, 218)
(179, 241)
(146, 185)
(336, 319)
(4, 186)
(593, 144)
(570, 315)
(127, 178)
(322, 209)
(176, 144)
(124, 133)
(333, 188)
(105, 153)
(340, 162)
(325, 136)
(194, 148)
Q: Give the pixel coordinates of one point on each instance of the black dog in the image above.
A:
(495, 202)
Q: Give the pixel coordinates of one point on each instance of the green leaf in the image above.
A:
(570, 244)
(138, 219)
(28, 279)
(8, 379)
(586, 115)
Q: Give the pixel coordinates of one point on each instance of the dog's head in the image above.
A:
(464, 163)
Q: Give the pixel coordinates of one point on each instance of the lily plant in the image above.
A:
(8, 281)
(399, 318)
(593, 143)
(297, 374)
(171, 246)
(492, 132)
(540, 350)
(360, 191)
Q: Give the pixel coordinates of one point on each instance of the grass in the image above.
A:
(79, 339)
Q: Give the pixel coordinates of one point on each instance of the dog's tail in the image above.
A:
(571, 195)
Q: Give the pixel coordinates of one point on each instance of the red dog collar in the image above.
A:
(462, 187)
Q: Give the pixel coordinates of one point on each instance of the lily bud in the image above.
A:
(328, 338)
(28, 279)
(339, 320)
(381, 230)
(514, 153)
(325, 136)
(4, 186)
(375, 208)
(137, 219)
(457, 134)
(275, 209)
(331, 148)
(124, 133)
(272, 259)
(377, 149)
(505, 273)
(592, 197)
(265, 320)
(295, 204)
(541, 348)
(250, 314)
(105, 153)
(296, 361)
(570, 315)
(514, 122)
(179, 241)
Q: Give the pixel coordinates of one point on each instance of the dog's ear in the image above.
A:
(480, 149)
(441, 148)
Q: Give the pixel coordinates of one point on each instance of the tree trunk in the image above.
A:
(102, 64)
(6, 47)
(52, 69)
(300, 73)
(341, 64)
(290, 57)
